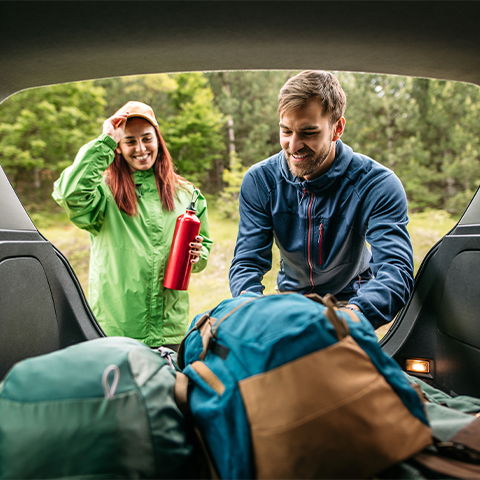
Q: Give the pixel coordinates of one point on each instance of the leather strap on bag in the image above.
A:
(336, 304)
(205, 327)
(448, 466)
(210, 330)
(208, 326)
(469, 436)
(458, 457)
(339, 324)
(198, 326)
(206, 334)
(215, 334)
(208, 376)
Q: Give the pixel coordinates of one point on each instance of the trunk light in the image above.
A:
(418, 366)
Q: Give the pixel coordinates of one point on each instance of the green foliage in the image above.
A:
(193, 134)
(425, 130)
(379, 116)
(150, 89)
(232, 178)
(41, 131)
(250, 99)
(43, 128)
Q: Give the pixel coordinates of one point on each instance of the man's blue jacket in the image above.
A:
(321, 228)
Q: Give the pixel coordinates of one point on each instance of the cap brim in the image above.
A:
(145, 117)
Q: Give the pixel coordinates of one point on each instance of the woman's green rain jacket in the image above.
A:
(129, 254)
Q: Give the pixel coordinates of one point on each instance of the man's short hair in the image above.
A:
(313, 84)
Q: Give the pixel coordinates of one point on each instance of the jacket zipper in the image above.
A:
(303, 195)
(310, 239)
(320, 239)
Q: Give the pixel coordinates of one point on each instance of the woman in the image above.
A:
(130, 212)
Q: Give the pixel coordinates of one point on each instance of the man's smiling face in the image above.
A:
(307, 138)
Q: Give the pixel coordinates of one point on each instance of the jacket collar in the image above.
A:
(343, 157)
(140, 176)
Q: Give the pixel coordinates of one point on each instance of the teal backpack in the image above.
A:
(285, 386)
(100, 409)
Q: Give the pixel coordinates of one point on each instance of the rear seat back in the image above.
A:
(42, 305)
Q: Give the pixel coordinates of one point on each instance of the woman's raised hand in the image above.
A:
(115, 126)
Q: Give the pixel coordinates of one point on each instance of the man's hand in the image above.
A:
(353, 307)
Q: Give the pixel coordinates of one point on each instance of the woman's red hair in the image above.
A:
(120, 180)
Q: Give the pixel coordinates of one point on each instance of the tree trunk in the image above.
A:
(231, 136)
(36, 178)
(388, 134)
(231, 130)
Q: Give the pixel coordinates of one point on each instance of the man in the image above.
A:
(322, 203)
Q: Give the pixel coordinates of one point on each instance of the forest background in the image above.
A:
(217, 124)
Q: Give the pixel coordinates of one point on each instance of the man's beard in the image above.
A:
(312, 165)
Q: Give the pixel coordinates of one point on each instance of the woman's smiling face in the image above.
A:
(139, 145)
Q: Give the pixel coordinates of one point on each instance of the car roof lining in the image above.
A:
(45, 43)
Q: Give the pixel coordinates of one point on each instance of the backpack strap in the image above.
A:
(205, 318)
(469, 435)
(353, 316)
(208, 326)
(208, 331)
(205, 331)
(215, 334)
(339, 324)
(181, 399)
(458, 457)
(205, 328)
(181, 393)
(447, 466)
(209, 377)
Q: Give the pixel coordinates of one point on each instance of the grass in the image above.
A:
(210, 287)
(426, 229)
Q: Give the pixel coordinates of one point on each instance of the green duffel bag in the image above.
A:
(100, 409)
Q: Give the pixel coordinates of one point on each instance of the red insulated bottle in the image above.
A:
(179, 266)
